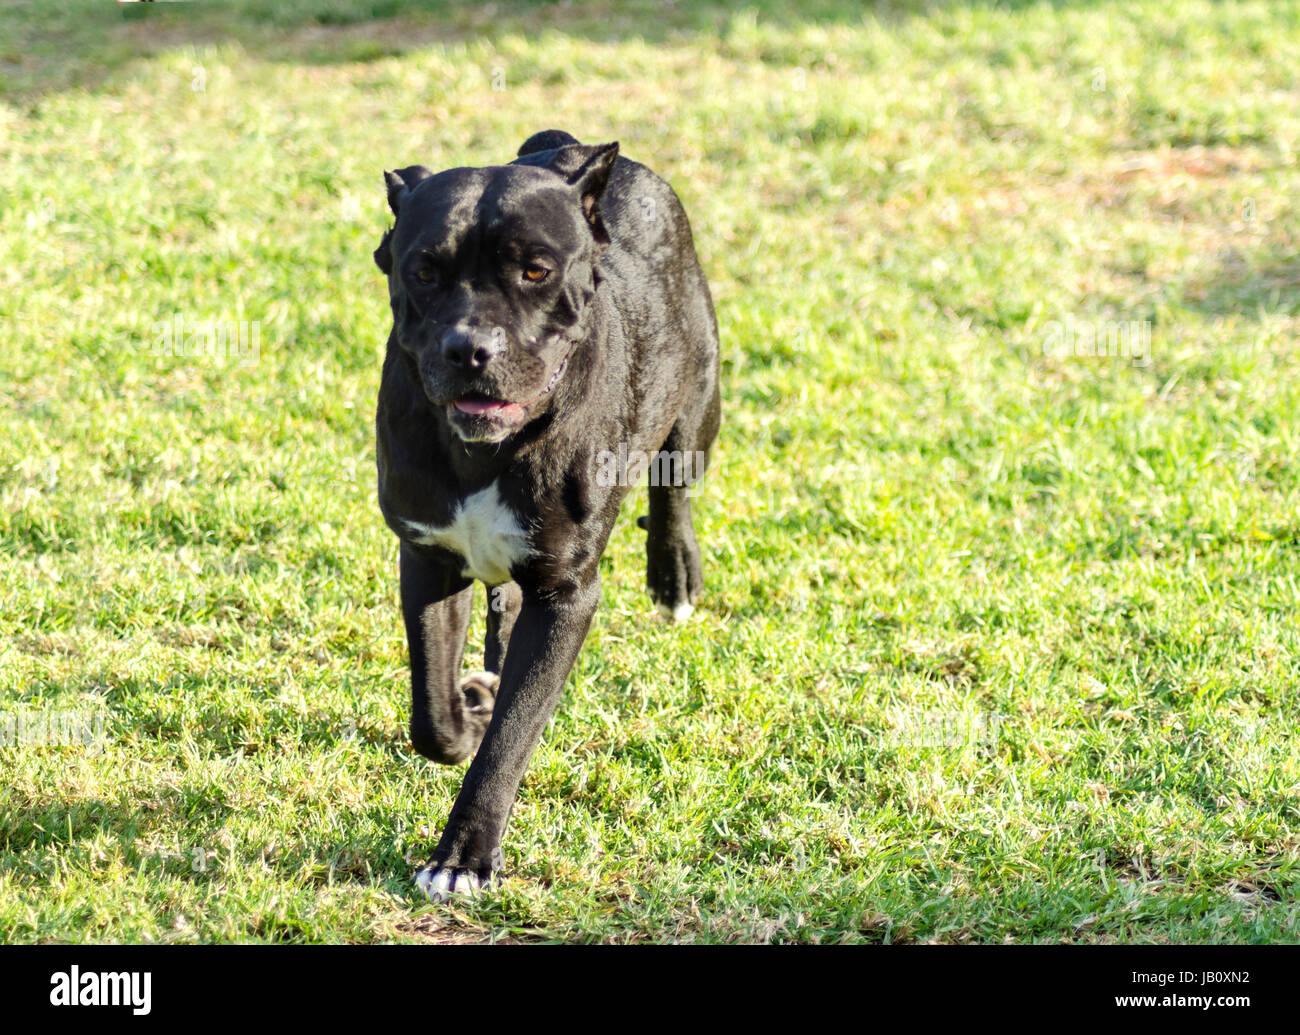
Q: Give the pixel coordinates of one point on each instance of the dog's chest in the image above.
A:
(484, 532)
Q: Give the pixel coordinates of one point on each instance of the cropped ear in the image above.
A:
(397, 190)
(590, 181)
(384, 253)
(546, 140)
(398, 185)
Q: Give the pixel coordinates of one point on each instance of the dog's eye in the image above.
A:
(536, 274)
(426, 275)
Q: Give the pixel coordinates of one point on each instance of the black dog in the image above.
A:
(547, 315)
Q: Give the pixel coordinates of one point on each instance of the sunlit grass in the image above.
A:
(917, 521)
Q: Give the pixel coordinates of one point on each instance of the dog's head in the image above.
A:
(491, 273)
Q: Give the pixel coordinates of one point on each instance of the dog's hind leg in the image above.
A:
(448, 714)
(503, 608)
(674, 575)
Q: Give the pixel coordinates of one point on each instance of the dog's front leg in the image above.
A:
(448, 713)
(543, 647)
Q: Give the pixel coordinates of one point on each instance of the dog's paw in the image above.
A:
(480, 690)
(676, 614)
(673, 577)
(439, 881)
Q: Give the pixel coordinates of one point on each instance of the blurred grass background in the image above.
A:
(920, 516)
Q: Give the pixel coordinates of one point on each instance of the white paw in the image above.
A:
(677, 614)
(440, 884)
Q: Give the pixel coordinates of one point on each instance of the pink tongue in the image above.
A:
(492, 407)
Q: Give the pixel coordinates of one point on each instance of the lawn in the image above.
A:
(1002, 542)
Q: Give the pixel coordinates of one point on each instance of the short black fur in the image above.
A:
(544, 312)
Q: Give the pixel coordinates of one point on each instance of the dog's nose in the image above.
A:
(471, 348)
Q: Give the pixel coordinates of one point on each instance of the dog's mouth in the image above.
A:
(479, 405)
(500, 414)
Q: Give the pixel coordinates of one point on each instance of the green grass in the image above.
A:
(917, 516)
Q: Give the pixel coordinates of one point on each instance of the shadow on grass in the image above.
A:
(1252, 283)
(180, 835)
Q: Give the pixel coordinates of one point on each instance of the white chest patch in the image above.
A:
(484, 532)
